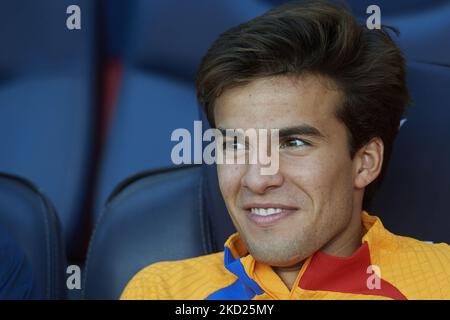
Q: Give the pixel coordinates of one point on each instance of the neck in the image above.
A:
(288, 274)
(345, 243)
(342, 245)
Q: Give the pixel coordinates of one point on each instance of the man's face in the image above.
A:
(315, 182)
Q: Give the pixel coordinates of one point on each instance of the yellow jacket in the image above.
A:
(385, 266)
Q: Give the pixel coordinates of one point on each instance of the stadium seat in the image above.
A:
(30, 219)
(413, 198)
(156, 93)
(47, 77)
(152, 216)
(189, 28)
(150, 107)
(423, 25)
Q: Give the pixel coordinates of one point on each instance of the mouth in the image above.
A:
(268, 214)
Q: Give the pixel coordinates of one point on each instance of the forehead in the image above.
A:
(278, 102)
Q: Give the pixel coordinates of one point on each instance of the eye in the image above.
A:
(233, 144)
(293, 143)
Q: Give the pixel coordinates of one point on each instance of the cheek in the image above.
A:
(229, 180)
(321, 176)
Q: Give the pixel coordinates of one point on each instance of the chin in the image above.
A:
(278, 261)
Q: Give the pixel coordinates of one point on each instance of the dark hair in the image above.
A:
(321, 38)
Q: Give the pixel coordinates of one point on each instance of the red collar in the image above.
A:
(353, 274)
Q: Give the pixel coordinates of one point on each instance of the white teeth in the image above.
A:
(266, 212)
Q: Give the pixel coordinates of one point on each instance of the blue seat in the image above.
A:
(16, 276)
(424, 25)
(151, 216)
(30, 219)
(150, 108)
(157, 93)
(413, 199)
(46, 102)
(170, 37)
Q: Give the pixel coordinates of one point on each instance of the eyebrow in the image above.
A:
(301, 130)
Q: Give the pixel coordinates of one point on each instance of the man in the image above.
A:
(336, 92)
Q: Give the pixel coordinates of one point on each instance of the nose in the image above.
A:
(258, 183)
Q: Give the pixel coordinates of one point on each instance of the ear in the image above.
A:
(368, 162)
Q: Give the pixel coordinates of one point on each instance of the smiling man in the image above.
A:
(336, 92)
